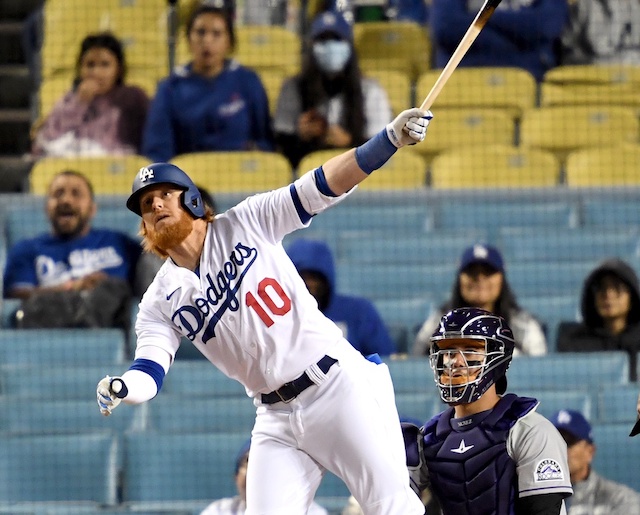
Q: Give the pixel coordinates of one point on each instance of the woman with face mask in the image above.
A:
(329, 104)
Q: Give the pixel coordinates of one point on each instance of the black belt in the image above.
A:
(289, 391)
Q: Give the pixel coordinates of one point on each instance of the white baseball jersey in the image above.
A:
(247, 310)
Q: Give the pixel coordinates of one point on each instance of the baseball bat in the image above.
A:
(467, 40)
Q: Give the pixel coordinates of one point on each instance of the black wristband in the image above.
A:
(123, 391)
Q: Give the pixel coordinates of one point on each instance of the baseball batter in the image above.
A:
(488, 454)
(229, 287)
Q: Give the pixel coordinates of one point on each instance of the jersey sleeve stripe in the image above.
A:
(151, 368)
(302, 213)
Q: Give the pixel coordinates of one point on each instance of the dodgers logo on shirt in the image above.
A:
(548, 470)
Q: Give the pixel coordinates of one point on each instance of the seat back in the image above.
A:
(617, 404)
(200, 378)
(604, 166)
(110, 175)
(552, 401)
(78, 467)
(590, 94)
(411, 375)
(496, 166)
(419, 405)
(616, 456)
(585, 74)
(397, 84)
(228, 172)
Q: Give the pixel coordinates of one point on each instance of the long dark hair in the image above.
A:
(316, 88)
(109, 42)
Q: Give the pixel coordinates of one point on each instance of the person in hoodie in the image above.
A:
(520, 33)
(212, 103)
(357, 317)
(610, 308)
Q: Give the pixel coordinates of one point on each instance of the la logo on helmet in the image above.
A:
(145, 174)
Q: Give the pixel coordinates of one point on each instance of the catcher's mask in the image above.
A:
(167, 173)
(470, 351)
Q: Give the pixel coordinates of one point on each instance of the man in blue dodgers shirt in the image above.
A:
(73, 256)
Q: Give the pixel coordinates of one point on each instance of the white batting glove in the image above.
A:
(409, 127)
(110, 392)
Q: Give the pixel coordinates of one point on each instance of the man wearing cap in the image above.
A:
(592, 494)
(329, 104)
(481, 283)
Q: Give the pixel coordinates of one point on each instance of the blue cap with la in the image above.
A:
(574, 423)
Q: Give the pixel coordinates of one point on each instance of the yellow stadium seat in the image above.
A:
(589, 94)
(604, 166)
(52, 89)
(463, 127)
(141, 25)
(405, 170)
(562, 129)
(397, 85)
(111, 175)
(272, 81)
(495, 166)
(594, 74)
(228, 172)
(511, 88)
(392, 45)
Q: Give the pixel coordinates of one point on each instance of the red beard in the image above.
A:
(169, 236)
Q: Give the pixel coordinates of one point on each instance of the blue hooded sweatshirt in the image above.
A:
(357, 317)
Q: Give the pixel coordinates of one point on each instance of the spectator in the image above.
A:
(212, 103)
(520, 33)
(488, 452)
(355, 316)
(610, 308)
(602, 31)
(481, 282)
(591, 492)
(74, 259)
(329, 104)
(100, 115)
(237, 505)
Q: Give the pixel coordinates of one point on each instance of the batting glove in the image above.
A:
(409, 127)
(110, 392)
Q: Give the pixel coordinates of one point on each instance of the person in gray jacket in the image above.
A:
(592, 494)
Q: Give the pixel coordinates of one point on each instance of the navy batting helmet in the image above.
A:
(464, 373)
(166, 173)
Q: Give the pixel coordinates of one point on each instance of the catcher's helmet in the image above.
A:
(482, 364)
(166, 173)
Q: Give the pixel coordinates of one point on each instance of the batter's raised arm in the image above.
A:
(345, 171)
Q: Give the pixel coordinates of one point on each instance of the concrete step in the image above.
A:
(14, 173)
(11, 51)
(15, 86)
(15, 125)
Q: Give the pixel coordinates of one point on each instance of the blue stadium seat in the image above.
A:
(332, 486)
(78, 467)
(180, 466)
(617, 456)
(554, 400)
(411, 375)
(610, 212)
(546, 277)
(568, 371)
(200, 378)
(73, 382)
(436, 247)
(408, 313)
(388, 280)
(550, 310)
(419, 405)
(617, 403)
(62, 346)
(64, 416)
(532, 244)
(175, 413)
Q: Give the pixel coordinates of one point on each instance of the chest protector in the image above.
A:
(469, 470)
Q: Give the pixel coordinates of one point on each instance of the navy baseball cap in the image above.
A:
(574, 423)
(484, 254)
(331, 21)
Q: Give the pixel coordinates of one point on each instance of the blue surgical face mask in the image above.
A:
(332, 55)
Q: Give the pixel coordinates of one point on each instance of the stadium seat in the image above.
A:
(78, 467)
(617, 404)
(617, 456)
(588, 95)
(162, 467)
(610, 211)
(513, 89)
(419, 405)
(397, 85)
(392, 45)
(552, 401)
(272, 81)
(177, 413)
(563, 129)
(37, 416)
(586, 74)
(249, 172)
(568, 371)
(111, 175)
(332, 486)
(200, 378)
(584, 244)
(411, 375)
(550, 310)
(495, 166)
(409, 313)
(61, 346)
(461, 128)
(549, 278)
(604, 166)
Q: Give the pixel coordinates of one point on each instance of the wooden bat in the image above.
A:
(467, 40)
